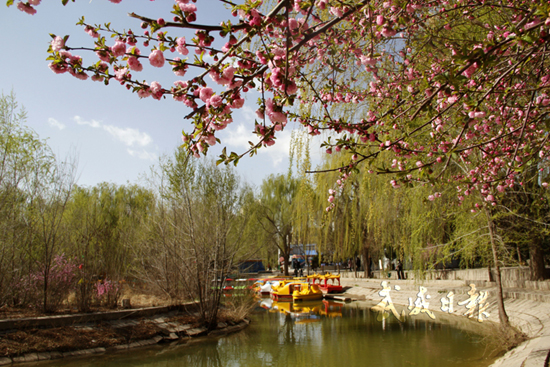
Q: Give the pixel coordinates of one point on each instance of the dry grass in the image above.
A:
(500, 340)
(237, 307)
(144, 297)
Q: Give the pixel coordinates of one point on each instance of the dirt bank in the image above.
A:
(114, 333)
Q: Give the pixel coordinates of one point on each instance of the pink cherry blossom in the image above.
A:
(156, 90)
(238, 103)
(134, 64)
(336, 11)
(205, 94)
(104, 55)
(118, 49)
(144, 92)
(58, 43)
(187, 8)
(215, 101)
(57, 68)
(181, 48)
(91, 31)
(27, 8)
(120, 74)
(156, 58)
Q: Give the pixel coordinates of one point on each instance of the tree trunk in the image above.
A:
(536, 261)
(503, 317)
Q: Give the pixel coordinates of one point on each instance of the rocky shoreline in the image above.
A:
(111, 332)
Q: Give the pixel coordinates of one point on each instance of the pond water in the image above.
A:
(314, 334)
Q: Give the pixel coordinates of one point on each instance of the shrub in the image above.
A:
(107, 293)
(61, 281)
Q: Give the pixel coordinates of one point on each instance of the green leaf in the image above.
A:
(528, 38)
(9, 3)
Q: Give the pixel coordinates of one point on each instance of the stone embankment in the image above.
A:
(527, 305)
(167, 320)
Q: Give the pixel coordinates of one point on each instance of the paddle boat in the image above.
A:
(323, 279)
(307, 292)
(285, 290)
(265, 288)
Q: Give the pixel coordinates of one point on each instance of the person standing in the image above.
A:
(399, 268)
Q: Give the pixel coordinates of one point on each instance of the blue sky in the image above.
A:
(115, 136)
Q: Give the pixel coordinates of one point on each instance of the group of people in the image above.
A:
(357, 264)
(297, 266)
(299, 271)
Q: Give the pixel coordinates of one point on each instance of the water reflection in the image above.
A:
(315, 334)
(304, 311)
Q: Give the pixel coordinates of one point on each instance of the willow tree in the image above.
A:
(522, 219)
(368, 216)
(277, 214)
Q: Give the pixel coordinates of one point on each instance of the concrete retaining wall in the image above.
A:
(66, 320)
(512, 277)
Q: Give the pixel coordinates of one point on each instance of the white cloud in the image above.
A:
(92, 123)
(239, 137)
(54, 123)
(249, 114)
(280, 150)
(143, 154)
(129, 136)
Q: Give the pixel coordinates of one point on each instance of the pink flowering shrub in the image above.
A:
(107, 293)
(60, 282)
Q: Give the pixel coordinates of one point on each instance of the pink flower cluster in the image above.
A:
(58, 43)
(469, 103)
(156, 58)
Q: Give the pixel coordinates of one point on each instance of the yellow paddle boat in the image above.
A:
(307, 292)
(285, 290)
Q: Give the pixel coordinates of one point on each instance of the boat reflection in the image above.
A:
(304, 312)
